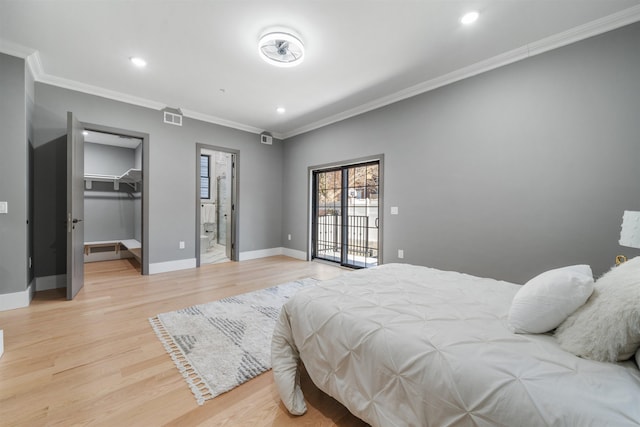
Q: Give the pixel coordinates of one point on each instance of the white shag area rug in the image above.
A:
(222, 344)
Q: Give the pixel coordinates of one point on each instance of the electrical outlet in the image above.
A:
(4, 207)
(400, 253)
(181, 245)
(289, 236)
(394, 210)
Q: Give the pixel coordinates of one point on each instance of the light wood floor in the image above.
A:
(96, 361)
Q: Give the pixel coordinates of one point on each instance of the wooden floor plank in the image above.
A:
(96, 360)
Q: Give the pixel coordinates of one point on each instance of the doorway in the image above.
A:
(346, 219)
(113, 189)
(216, 210)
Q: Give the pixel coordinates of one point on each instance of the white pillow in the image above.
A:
(545, 301)
(607, 327)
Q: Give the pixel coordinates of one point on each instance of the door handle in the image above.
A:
(70, 222)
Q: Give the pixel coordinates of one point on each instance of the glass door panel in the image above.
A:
(345, 215)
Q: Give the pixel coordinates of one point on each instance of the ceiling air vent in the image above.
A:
(266, 138)
(173, 116)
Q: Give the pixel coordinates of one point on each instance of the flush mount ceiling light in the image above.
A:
(281, 110)
(281, 49)
(470, 18)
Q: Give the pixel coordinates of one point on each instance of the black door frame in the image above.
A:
(311, 197)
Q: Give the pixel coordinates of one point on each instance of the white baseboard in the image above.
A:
(167, 266)
(16, 299)
(51, 282)
(182, 264)
(293, 253)
(261, 253)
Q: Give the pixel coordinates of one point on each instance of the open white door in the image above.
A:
(75, 206)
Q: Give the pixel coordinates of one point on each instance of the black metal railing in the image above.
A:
(329, 234)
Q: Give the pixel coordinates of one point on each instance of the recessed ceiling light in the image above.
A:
(281, 110)
(281, 49)
(470, 18)
(138, 62)
(85, 133)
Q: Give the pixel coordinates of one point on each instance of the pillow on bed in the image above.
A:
(545, 301)
(607, 327)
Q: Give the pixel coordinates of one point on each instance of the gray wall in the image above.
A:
(172, 170)
(107, 159)
(506, 174)
(14, 172)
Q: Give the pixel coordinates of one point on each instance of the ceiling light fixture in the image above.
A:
(281, 49)
(470, 18)
(138, 62)
(281, 110)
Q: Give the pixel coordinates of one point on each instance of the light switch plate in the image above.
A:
(394, 210)
(4, 207)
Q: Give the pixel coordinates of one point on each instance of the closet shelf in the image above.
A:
(132, 177)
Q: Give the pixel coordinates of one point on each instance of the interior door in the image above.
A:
(75, 206)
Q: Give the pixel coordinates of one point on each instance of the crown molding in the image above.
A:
(35, 65)
(590, 29)
(32, 58)
(219, 121)
(99, 91)
(14, 49)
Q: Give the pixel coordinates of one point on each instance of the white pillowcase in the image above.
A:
(607, 327)
(545, 301)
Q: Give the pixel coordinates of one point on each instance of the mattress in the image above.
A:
(403, 345)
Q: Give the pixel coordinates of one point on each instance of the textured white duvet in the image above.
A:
(403, 345)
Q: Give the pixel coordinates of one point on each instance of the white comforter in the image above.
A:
(403, 345)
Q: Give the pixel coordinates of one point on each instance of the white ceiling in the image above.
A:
(360, 54)
(103, 138)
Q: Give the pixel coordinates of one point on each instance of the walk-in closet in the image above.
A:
(112, 197)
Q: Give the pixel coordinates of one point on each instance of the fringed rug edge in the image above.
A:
(197, 385)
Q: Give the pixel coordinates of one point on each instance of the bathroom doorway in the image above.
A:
(217, 208)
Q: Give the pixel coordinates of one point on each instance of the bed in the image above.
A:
(403, 345)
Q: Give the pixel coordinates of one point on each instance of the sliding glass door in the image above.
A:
(346, 214)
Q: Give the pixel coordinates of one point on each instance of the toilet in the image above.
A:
(208, 233)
